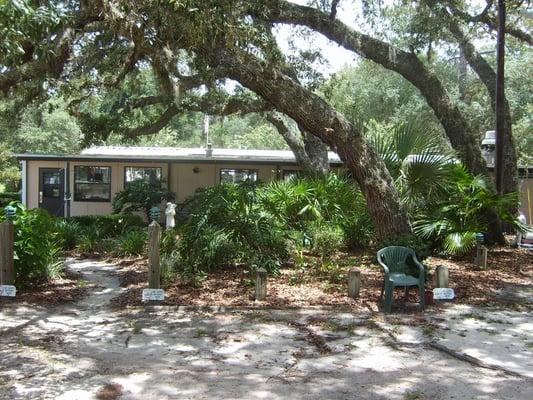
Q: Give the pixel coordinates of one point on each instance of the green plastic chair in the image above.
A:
(393, 259)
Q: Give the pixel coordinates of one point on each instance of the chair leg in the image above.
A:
(389, 288)
(406, 294)
(422, 294)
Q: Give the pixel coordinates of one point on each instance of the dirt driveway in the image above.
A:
(87, 350)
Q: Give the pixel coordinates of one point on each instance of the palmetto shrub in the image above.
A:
(447, 204)
(330, 200)
(453, 220)
(227, 225)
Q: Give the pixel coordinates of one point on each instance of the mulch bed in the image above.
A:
(49, 293)
(230, 287)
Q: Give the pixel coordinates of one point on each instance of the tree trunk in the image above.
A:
(500, 103)
(293, 141)
(316, 116)
(506, 171)
(460, 134)
(487, 75)
(317, 151)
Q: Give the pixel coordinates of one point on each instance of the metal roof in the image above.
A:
(155, 154)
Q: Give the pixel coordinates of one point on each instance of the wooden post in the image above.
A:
(354, 283)
(154, 273)
(7, 237)
(441, 276)
(481, 256)
(260, 284)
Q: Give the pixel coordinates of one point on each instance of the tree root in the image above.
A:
(474, 361)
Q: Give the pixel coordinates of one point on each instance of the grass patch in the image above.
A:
(413, 395)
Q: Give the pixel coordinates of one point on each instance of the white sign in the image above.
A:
(443, 294)
(153, 294)
(8, 290)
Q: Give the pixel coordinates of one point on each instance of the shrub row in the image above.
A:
(119, 234)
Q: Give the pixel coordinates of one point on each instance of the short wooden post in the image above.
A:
(154, 272)
(7, 237)
(441, 276)
(354, 283)
(481, 256)
(260, 284)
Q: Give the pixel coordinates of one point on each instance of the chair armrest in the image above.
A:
(421, 269)
(385, 268)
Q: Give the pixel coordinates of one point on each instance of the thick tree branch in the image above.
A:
(154, 127)
(487, 75)
(485, 17)
(50, 65)
(294, 142)
(406, 64)
(315, 115)
(53, 62)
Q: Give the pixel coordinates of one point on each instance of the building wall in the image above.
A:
(184, 180)
(181, 179)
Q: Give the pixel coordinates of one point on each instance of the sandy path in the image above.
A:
(73, 351)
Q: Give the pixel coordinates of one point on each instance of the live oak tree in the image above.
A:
(188, 45)
(89, 49)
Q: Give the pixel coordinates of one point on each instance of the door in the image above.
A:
(52, 190)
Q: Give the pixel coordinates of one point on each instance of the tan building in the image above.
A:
(85, 184)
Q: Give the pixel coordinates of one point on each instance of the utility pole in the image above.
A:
(206, 129)
(500, 96)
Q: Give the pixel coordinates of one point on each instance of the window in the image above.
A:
(150, 174)
(237, 175)
(92, 183)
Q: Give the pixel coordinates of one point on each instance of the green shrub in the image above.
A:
(302, 201)
(141, 195)
(132, 243)
(358, 230)
(111, 225)
(36, 246)
(228, 225)
(169, 267)
(68, 232)
(92, 239)
(169, 241)
(452, 221)
(326, 239)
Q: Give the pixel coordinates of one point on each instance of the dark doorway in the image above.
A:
(52, 190)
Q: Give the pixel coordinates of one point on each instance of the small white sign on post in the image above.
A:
(153, 295)
(8, 290)
(443, 294)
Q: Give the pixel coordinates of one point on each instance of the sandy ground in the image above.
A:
(86, 350)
